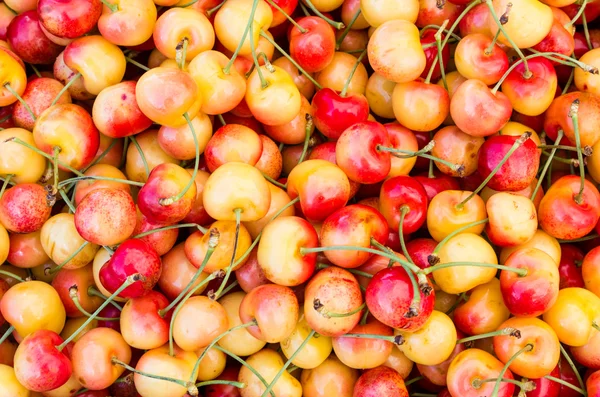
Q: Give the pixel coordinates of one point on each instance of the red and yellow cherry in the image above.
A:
(322, 188)
(161, 241)
(84, 187)
(128, 22)
(179, 96)
(198, 214)
(379, 96)
(446, 214)
(332, 377)
(458, 279)
(250, 274)
(557, 118)
(131, 257)
(472, 366)
(581, 307)
(561, 216)
(68, 20)
(60, 240)
(10, 386)
(420, 106)
(24, 208)
(380, 381)
(340, 73)
(32, 306)
(402, 198)
(240, 341)
(13, 73)
(231, 20)
(105, 345)
(512, 219)
(540, 240)
(66, 75)
(297, 267)
(141, 325)
(39, 95)
(474, 102)
(270, 162)
(25, 250)
(431, 14)
(106, 216)
(28, 41)
(180, 366)
(395, 51)
(314, 353)
(198, 322)
(275, 310)
(484, 311)
(364, 353)
(523, 35)
(153, 153)
(477, 58)
(81, 279)
(39, 365)
(333, 113)
(522, 295)
(376, 13)
(116, 112)
(268, 363)
(313, 47)
(107, 67)
(179, 24)
(233, 142)
(177, 272)
(456, 147)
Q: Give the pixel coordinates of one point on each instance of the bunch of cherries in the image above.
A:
(319, 198)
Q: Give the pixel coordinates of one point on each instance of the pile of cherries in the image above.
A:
(319, 198)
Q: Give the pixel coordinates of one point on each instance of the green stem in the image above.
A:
(274, 182)
(404, 154)
(547, 165)
(397, 340)
(438, 43)
(12, 275)
(102, 155)
(353, 271)
(434, 258)
(574, 115)
(141, 153)
(147, 375)
(586, 31)
(347, 29)
(307, 132)
(99, 178)
(436, 27)
(239, 385)
(94, 292)
(566, 384)
(238, 215)
(349, 79)
(520, 141)
(438, 57)
(337, 25)
(520, 272)
(573, 367)
(69, 258)
(181, 53)
(20, 99)
(579, 13)
(136, 63)
(7, 334)
(288, 17)
(288, 362)
(245, 364)
(44, 154)
(65, 88)
(212, 10)
(73, 295)
(5, 183)
(229, 65)
(318, 306)
(502, 332)
(67, 201)
(112, 7)
(405, 209)
(35, 70)
(221, 120)
(413, 380)
(128, 281)
(527, 348)
(490, 48)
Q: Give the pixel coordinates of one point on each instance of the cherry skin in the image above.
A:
(403, 192)
(24, 208)
(380, 381)
(474, 59)
(428, 37)
(333, 114)
(26, 250)
(545, 387)
(39, 95)
(314, 48)
(439, 183)
(569, 268)
(68, 19)
(557, 118)
(28, 40)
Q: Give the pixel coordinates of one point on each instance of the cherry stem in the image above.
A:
(111, 7)
(304, 10)
(98, 178)
(216, 339)
(436, 27)
(490, 6)
(227, 68)
(213, 242)
(12, 275)
(569, 161)
(69, 258)
(170, 227)
(274, 182)
(459, 168)
(238, 215)
(524, 386)
(450, 32)
(102, 155)
(257, 239)
(35, 70)
(136, 63)
(527, 348)
(285, 54)
(264, 83)
(230, 287)
(337, 25)
(181, 53)
(566, 384)
(125, 149)
(73, 295)
(568, 83)
(7, 334)
(520, 272)
(318, 306)
(413, 380)
(16, 95)
(340, 40)
(142, 155)
(67, 201)
(574, 115)
(180, 382)
(573, 367)
(596, 326)
(212, 10)
(56, 151)
(438, 43)
(461, 298)
(5, 183)
(405, 209)
(245, 364)
(349, 79)
(586, 31)
(586, 150)
(438, 57)
(128, 281)
(94, 292)
(434, 259)
(520, 141)
(490, 48)
(307, 131)
(515, 333)
(578, 240)
(191, 292)
(239, 385)
(288, 17)
(547, 165)
(353, 271)
(289, 361)
(579, 13)
(65, 88)
(397, 340)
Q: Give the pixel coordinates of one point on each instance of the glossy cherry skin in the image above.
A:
(380, 381)
(24, 208)
(517, 172)
(557, 118)
(439, 183)
(357, 152)
(569, 267)
(313, 49)
(389, 296)
(561, 217)
(560, 39)
(39, 365)
(431, 53)
(67, 18)
(29, 42)
(131, 257)
(402, 191)
(474, 61)
(332, 113)
(545, 387)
